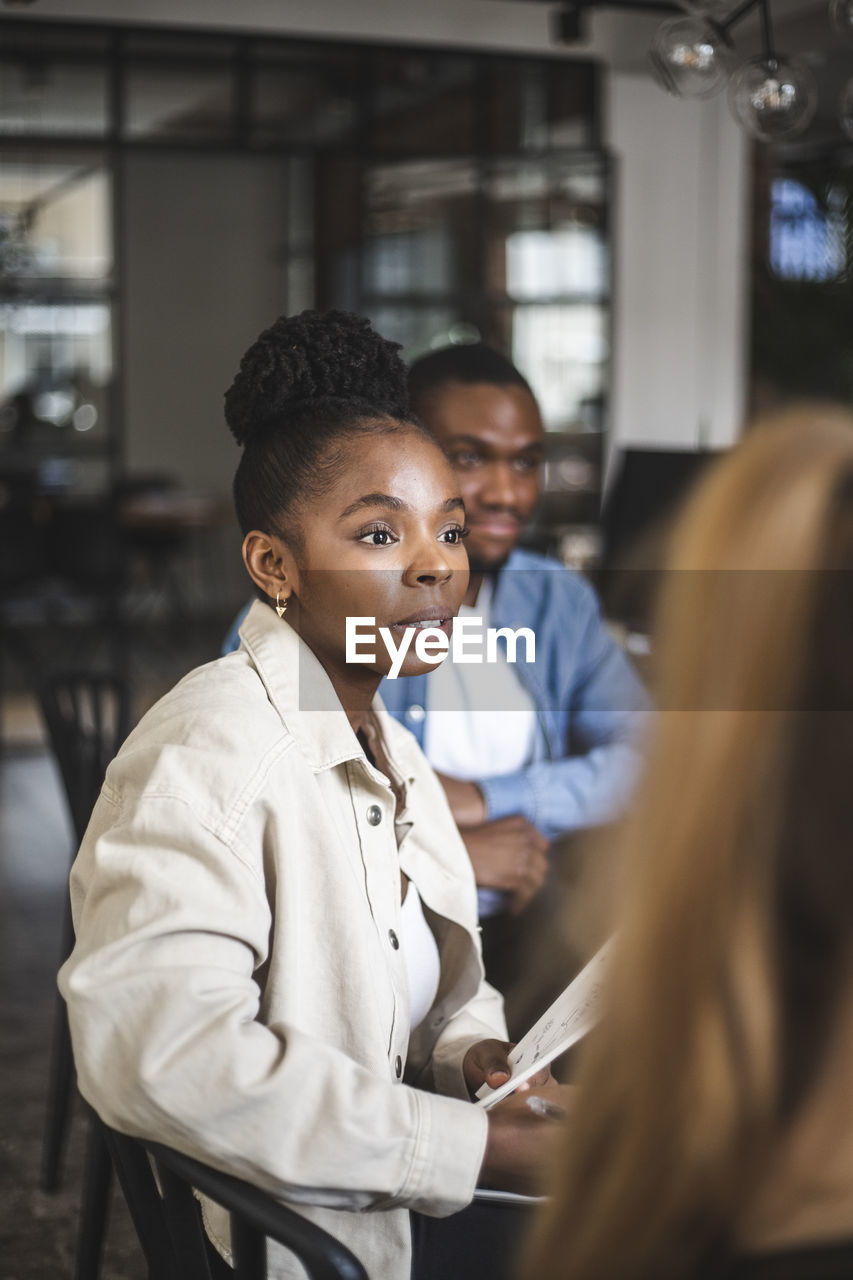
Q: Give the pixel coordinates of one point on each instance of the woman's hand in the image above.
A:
(520, 1139)
(487, 1062)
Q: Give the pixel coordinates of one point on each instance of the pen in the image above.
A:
(543, 1107)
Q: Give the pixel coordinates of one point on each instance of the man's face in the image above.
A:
(495, 439)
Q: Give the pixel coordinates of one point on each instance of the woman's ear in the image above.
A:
(270, 564)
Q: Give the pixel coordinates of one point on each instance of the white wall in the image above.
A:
(202, 278)
(680, 231)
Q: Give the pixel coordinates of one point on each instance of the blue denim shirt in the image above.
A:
(590, 704)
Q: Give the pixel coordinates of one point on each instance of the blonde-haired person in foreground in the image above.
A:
(716, 1135)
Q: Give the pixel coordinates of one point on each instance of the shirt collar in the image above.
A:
(299, 689)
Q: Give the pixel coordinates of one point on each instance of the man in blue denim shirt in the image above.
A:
(573, 759)
(587, 701)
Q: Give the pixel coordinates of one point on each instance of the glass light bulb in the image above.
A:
(686, 59)
(845, 109)
(841, 17)
(773, 99)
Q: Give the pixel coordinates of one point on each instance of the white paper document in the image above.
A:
(485, 1195)
(569, 1018)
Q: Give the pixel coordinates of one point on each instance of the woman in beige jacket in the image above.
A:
(277, 968)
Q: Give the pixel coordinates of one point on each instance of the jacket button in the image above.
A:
(398, 1066)
(394, 940)
(374, 815)
(415, 713)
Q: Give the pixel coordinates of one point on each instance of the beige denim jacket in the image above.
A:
(237, 989)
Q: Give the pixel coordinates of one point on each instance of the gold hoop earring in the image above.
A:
(281, 609)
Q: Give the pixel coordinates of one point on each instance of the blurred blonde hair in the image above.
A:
(735, 884)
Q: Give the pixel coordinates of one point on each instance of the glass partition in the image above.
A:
(47, 96)
(307, 96)
(450, 195)
(423, 103)
(56, 344)
(180, 103)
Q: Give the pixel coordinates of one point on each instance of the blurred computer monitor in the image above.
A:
(644, 497)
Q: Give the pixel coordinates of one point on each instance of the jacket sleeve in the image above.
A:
(481, 1019)
(606, 709)
(164, 1013)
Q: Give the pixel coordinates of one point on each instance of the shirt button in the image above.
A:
(398, 1066)
(394, 940)
(415, 713)
(374, 815)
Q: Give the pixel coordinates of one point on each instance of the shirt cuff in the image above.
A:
(506, 795)
(449, 1154)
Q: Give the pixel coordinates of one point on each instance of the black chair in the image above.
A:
(23, 575)
(89, 564)
(156, 542)
(167, 1217)
(87, 715)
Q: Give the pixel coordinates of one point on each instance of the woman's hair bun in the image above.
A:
(317, 355)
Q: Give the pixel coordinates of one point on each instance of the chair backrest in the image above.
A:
(87, 548)
(23, 561)
(167, 1217)
(87, 714)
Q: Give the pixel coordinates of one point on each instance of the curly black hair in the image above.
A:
(304, 385)
(464, 362)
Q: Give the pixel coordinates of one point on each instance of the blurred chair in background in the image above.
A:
(148, 507)
(23, 558)
(171, 539)
(87, 716)
(88, 561)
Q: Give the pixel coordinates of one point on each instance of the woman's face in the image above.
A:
(384, 542)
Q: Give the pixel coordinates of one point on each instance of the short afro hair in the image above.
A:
(470, 362)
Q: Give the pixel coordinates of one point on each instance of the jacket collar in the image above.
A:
(299, 689)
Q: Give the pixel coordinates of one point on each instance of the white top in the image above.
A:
(420, 952)
(481, 722)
